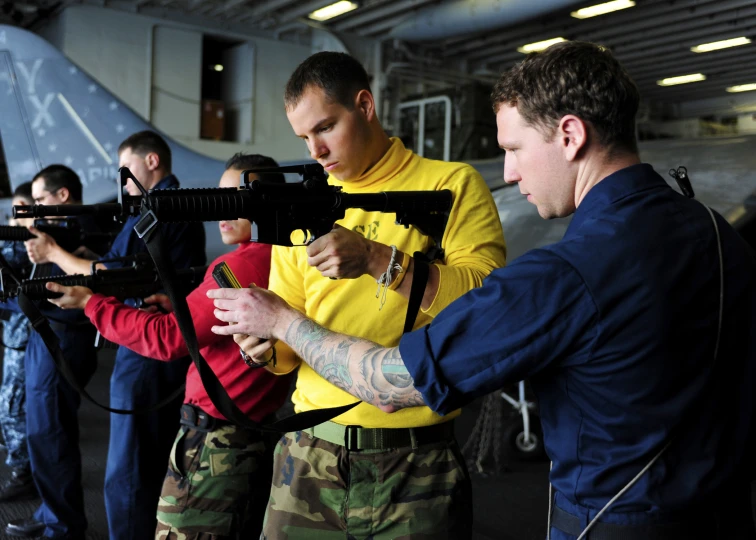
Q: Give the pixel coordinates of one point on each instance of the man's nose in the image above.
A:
(510, 173)
(317, 149)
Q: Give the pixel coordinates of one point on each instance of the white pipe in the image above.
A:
(466, 16)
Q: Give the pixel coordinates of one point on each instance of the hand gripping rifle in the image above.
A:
(67, 233)
(137, 280)
(276, 211)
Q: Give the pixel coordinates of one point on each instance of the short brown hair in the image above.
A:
(145, 142)
(574, 77)
(339, 75)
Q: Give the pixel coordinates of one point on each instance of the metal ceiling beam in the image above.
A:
(655, 71)
(652, 49)
(639, 17)
(381, 27)
(225, 7)
(262, 9)
(652, 26)
(301, 11)
(715, 83)
(386, 10)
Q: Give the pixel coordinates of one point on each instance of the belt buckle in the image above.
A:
(189, 415)
(351, 435)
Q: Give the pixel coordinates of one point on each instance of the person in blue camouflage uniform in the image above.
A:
(19, 484)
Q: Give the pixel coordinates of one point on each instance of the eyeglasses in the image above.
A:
(38, 200)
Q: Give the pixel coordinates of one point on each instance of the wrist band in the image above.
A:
(403, 267)
(386, 279)
(251, 363)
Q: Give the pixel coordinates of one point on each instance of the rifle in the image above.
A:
(276, 211)
(137, 280)
(67, 233)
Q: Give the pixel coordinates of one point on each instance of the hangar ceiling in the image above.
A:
(444, 39)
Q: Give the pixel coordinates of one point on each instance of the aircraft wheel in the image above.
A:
(526, 450)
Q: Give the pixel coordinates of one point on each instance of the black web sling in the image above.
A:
(41, 325)
(148, 230)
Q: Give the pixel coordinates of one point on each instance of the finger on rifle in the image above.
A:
(56, 287)
(226, 305)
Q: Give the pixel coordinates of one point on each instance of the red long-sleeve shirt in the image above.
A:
(156, 335)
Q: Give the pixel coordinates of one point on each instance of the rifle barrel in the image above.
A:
(43, 210)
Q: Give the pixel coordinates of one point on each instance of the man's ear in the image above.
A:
(64, 195)
(573, 136)
(152, 160)
(365, 102)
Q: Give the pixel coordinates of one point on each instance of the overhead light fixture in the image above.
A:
(539, 45)
(218, 67)
(682, 79)
(724, 44)
(742, 87)
(602, 9)
(334, 10)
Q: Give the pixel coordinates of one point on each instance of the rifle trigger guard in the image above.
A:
(145, 224)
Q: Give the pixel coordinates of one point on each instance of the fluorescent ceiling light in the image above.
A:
(218, 67)
(602, 9)
(334, 10)
(682, 79)
(742, 87)
(716, 45)
(539, 45)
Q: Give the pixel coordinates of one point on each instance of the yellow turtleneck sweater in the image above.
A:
(473, 245)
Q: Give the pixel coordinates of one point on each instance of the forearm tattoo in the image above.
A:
(366, 370)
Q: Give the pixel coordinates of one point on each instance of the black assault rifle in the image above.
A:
(138, 280)
(66, 232)
(311, 206)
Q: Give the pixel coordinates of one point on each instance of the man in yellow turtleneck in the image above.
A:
(385, 476)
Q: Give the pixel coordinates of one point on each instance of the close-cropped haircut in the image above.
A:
(243, 162)
(339, 75)
(578, 78)
(145, 142)
(60, 176)
(24, 191)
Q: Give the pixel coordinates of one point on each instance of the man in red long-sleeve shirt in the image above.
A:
(219, 475)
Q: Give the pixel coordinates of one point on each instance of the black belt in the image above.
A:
(695, 528)
(199, 420)
(359, 438)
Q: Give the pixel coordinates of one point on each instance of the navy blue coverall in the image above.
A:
(52, 405)
(140, 444)
(616, 327)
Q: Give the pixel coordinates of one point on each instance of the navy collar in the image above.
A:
(169, 182)
(616, 186)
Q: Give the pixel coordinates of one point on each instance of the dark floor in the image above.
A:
(509, 506)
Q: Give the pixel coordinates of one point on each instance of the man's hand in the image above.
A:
(345, 254)
(73, 297)
(158, 303)
(253, 312)
(256, 348)
(40, 248)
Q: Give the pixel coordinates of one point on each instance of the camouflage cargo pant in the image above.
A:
(13, 392)
(216, 485)
(321, 491)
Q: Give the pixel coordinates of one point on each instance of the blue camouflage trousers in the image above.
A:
(13, 391)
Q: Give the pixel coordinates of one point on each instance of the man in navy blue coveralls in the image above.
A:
(52, 404)
(617, 325)
(140, 444)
